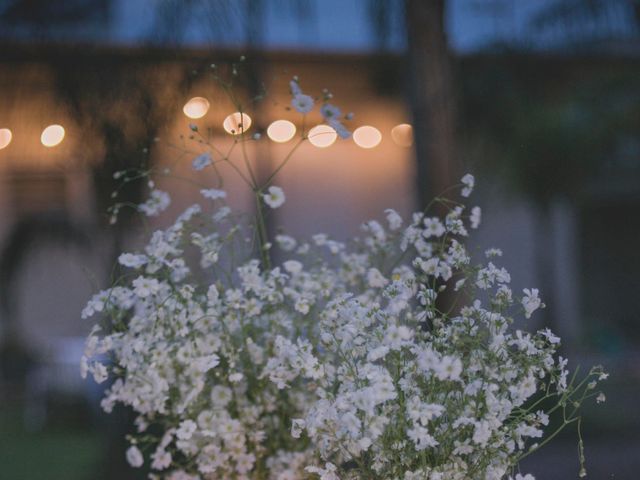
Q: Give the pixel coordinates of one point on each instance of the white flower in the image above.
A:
(481, 432)
(132, 260)
(376, 279)
(213, 194)
(601, 398)
(448, 368)
(433, 228)
(302, 103)
(421, 437)
(157, 203)
(326, 473)
(330, 112)
(531, 302)
(274, 197)
(161, 459)
(285, 242)
(294, 87)
(134, 457)
(206, 363)
(100, 372)
(201, 161)
(469, 182)
(297, 425)
(394, 219)
(186, 429)
(236, 377)
(475, 217)
(550, 336)
(144, 287)
(340, 129)
(292, 266)
(221, 214)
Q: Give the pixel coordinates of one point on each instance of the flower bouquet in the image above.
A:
(392, 356)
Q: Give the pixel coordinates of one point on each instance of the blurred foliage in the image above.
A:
(550, 123)
(65, 450)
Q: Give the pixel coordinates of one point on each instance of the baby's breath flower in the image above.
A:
(274, 197)
(201, 161)
(134, 457)
(213, 194)
(157, 203)
(469, 182)
(302, 103)
(361, 348)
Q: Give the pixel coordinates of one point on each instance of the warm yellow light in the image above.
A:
(367, 136)
(322, 136)
(197, 107)
(402, 135)
(281, 131)
(52, 135)
(5, 137)
(237, 123)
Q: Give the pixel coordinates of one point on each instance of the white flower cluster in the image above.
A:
(393, 356)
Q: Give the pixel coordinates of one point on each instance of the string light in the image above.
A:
(367, 136)
(402, 135)
(322, 136)
(5, 137)
(197, 107)
(237, 123)
(281, 131)
(52, 135)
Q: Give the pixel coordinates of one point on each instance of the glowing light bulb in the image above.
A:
(197, 107)
(402, 135)
(367, 136)
(281, 131)
(52, 135)
(237, 123)
(5, 137)
(322, 136)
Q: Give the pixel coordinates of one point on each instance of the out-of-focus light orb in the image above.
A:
(367, 136)
(322, 136)
(402, 135)
(237, 123)
(197, 107)
(5, 137)
(281, 131)
(52, 135)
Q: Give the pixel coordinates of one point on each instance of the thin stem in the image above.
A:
(283, 163)
(263, 237)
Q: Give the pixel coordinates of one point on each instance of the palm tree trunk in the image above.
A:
(431, 97)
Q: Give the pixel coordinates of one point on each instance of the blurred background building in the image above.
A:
(539, 99)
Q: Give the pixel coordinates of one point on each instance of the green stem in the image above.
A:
(283, 163)
(263, 236)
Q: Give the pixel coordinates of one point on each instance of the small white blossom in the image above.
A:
(376, 279)
(201, 161)
(475, 217)
(144, 287)
(531, 301)
(186, 429)
(157, 203)
(292, 266)
(134, 457)
(132, 260)
(302, 103)
(274, 197)
(394, 219)
(213, 194)
(469, 182)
